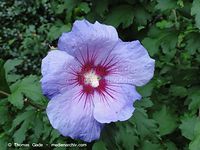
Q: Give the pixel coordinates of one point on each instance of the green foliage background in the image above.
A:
(168, 116)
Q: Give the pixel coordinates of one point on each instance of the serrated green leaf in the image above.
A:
(170, 145)
(192, 43)
(122, 14)
(108, 135)
(178, 91)
(4, 88)
(126, 137)
(57, 29)
(16, 99)
(144, 125)
(20, 135)
(145, 103)
(54, 135)
(166, 119)
(70, 4)
(30, 87)
(99, 146)
(194, 98)
(13, 77)
(187, 126)
(100, 6)
(21, 117)
(38, 128)
(3, 114)
(141, 15)
(146, 90)
(147, 145)
(168, 43)
(11, 64)
(165, 4)
(3, 142)
(195, 10)
(84, 7)
(152, 45)
(195, 143)
(164, 24)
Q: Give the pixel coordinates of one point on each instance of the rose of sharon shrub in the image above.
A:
(91, 79)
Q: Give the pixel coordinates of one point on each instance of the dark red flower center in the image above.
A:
(91, 76)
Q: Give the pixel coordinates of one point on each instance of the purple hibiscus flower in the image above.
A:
(91, 79)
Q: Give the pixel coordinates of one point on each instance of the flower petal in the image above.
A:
(96, 38)
(54, 67)
(71, 117)
(117, 105)
(135, 66)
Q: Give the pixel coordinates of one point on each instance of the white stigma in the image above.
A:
(92, 79)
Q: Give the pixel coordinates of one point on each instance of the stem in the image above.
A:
(33, 104)
(26, 100)
(175, 19)
(4, 93)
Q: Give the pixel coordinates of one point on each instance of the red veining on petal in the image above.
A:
(98, 72)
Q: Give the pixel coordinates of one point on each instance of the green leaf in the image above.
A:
(146, 90)
(144, 125)
(195, 10)
(3, 113)
(141, 15)
(195, 143)
(126, 136)
(30, 87)
(21, 117)
(122, 14)
(168, 43)
(99, 146)
(170, 145)
(165, 4)
(187, 126)
(147, 145)
(192, 43)
(38, 128)
(4, 88)
(166, 119)
(13, 77)
(3, 142)
(11, 64)
(46, 132)
(57, 29)
(100, 6)
(84, 7)
(145, 103)
(164, 24)
(20, 135)
(194, 98)
(70, 4)
(152, 45)
(16, 99)
(178, 91)
(54, 135)
(108, 135)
